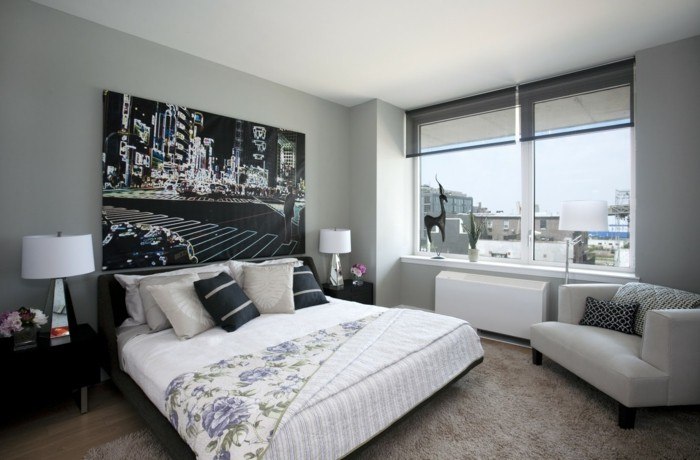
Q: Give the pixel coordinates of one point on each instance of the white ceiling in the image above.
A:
(410, 53)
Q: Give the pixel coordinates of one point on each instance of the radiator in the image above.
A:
(491, 303)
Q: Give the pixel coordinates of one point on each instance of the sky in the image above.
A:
(578, 167)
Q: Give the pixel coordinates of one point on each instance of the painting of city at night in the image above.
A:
(184, 186)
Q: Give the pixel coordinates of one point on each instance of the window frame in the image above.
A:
(604, 77)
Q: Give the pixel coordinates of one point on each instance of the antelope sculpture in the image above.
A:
(437, 221)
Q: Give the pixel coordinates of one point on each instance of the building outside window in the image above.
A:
(567, 138)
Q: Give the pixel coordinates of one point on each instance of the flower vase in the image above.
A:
(25, 338)
(357, 281)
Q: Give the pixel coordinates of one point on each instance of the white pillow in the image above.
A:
(236, 267)
(134, 306)
(155, 317)
(181, 305)
(132, 298)
(270, 287)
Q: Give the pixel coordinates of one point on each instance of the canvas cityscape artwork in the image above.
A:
(184, 186)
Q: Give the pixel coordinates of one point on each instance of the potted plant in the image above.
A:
(474, 231)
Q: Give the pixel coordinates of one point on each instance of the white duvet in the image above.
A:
(375, 388)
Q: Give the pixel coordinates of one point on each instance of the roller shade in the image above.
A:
(474, 122)
(590, 100)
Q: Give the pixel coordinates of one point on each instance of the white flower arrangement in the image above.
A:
(14, 321)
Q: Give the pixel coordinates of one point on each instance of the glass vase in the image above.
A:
(357, 281)
(26, 338)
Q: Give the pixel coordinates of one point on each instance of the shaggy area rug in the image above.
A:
(508, 408)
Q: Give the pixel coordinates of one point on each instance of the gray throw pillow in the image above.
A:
(653, 297)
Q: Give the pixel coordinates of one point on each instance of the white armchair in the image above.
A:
(661, 368)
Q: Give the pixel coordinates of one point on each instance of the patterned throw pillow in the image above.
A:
(155, 317)
(653, 297)
(183, 309)
(225, 301)
(270, 287)
(609, 315)
(307, 292)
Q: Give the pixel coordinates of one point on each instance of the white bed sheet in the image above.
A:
(154, 360)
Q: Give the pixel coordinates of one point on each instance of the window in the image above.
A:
(490, 172)
(567, 138)
(600, 163)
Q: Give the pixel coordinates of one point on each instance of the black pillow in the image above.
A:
(225, 301)
(616, 316)
(307, 292)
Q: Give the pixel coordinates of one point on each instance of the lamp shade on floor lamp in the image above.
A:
(582, 216)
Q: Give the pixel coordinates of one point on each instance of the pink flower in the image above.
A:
(11, 322)
(358, 270)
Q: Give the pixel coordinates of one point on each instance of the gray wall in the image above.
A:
(666, 175)
(381, 209)
(53, 68)
(363, 187)
(668, 164)
(395, 190)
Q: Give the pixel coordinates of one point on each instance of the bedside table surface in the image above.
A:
(363, 294)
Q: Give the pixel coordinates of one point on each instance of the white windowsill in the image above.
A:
(575, 274)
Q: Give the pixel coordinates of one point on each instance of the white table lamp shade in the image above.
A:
(52, 256)
(334, 241)
(583, 215)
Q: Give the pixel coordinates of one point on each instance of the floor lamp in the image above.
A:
(335, 241)
(57, 257)
(581, 216)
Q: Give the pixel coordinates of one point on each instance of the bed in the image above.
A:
(373, 366)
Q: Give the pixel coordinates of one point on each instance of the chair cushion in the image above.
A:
(610, 315)
(653, 297)
(608, 360)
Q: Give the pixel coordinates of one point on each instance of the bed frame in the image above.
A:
(112, 312)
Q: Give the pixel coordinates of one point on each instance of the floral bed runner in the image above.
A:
(230, 409)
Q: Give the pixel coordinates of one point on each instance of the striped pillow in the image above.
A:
(225, 301)
(307, 292)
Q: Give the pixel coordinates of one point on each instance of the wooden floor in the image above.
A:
(61, 432)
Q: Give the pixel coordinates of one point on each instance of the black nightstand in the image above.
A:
(34, 376)
(362, 294)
